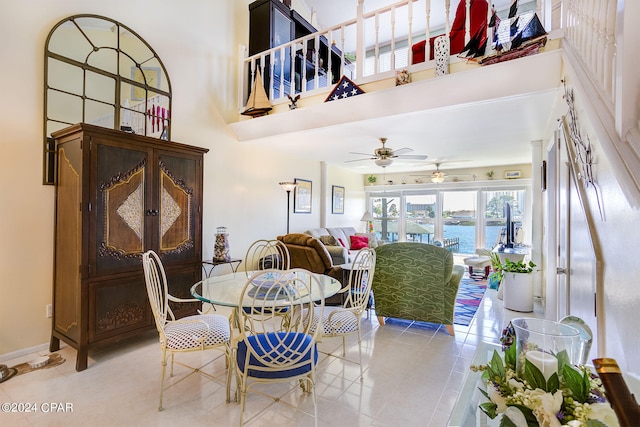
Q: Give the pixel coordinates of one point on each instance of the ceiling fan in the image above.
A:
(384, 155)
(437, 176)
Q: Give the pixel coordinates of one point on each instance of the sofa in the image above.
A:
(416, 281)
(343, 243)
(308, 252)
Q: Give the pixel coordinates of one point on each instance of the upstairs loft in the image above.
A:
(584, 42)
(385, 53)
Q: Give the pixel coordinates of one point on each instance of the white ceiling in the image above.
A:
(479, 118)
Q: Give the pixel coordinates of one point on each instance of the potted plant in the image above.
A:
(372, 179)
(496, 276)
(490, 174)
(517, 283)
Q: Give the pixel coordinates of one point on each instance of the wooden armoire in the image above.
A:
(117, 196)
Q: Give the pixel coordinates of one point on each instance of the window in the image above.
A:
(459, 221)
(494, 219)
(420, 217)
(386, 213)
(99, 71)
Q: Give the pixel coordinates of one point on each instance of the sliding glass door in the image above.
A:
(459, 215)
(420, 217)
(459, 219)
(386, 215)
(494, 215)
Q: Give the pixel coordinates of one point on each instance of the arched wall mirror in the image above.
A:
(101, 72)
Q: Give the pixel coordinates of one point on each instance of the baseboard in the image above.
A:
(24, 352)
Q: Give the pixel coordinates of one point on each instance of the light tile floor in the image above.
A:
(412, 377)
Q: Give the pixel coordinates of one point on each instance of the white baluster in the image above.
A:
(342, 60)
(360, 47)
(467, 22)
(292, 68)
(282, 76)
(427, 46)
(610, 48)
(410, 35)
(392, 59)
(316, 60)
(303, 61)
(377, 47)
(329, 55)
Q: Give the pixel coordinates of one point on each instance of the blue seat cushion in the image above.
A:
(276, 347)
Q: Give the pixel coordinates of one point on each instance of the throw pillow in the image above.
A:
(329, 241)
(359, 242)
(344, 245)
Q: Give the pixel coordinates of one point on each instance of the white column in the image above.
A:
(537, 215)
(324, 195)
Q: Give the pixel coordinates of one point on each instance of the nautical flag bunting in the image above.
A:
(344, 89)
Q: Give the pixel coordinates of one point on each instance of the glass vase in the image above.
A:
(541, 341)
(221, 246)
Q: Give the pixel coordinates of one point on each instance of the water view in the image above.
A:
(465, 234)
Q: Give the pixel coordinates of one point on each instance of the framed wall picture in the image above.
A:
(152, 75)
(302, 196)
(337, 199)
(512, 174)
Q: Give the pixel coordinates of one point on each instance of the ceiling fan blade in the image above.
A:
(401, 151)
(359, 160)
(361, 154)
(412, 156)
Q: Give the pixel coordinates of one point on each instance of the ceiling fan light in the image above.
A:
(383, 162)
(437, 178)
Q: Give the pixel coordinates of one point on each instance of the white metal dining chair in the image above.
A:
(345, 320)
(266, 254)
(278, 348)
(192, 333)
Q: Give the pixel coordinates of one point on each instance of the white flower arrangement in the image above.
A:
(572, 396)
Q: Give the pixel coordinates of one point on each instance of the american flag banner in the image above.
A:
(344, 89)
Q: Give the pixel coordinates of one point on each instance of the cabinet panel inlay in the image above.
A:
(130, 211)
(124, 203)
(175, 214)
(119, 316)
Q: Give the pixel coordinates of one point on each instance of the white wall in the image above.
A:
(198, 41)
(618, 232)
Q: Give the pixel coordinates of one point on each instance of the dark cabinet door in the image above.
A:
(177, 202)
(120, 206)
(117, 307)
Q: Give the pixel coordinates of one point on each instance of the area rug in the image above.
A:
(470, 293)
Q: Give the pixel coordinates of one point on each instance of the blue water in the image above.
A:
(467, 236)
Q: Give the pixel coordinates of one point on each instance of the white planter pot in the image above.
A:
(518, 291)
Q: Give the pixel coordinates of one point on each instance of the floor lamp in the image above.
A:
(368, 218)
(288, 187)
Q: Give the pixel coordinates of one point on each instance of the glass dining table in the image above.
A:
(225, 290)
